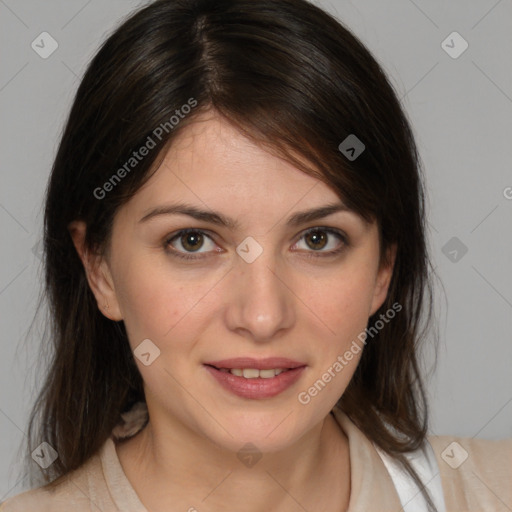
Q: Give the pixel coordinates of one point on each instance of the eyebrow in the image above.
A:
(219, 219)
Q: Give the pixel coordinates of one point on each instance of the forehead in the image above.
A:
(213, 165)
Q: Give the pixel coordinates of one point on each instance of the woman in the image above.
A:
(238, 277)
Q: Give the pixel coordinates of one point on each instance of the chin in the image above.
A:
(268, 432)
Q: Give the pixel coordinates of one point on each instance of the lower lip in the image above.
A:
(256, 388)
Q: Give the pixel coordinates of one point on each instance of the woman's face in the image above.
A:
(257, 287)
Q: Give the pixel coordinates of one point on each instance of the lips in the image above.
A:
(252, 384)
(260, 364)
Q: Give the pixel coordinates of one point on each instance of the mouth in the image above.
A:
(250, 363)
(256, 379)
(253, 373)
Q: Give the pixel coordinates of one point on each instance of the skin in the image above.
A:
(282, 304)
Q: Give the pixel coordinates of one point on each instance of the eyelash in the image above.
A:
(311, 254)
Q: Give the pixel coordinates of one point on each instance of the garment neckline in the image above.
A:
(370, 481)
(121, 490)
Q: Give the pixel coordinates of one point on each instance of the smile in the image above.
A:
(254, 373)
(255, 379)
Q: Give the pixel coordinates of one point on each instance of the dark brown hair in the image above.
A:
(294, 80)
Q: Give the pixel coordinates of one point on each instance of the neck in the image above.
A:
(175, 469)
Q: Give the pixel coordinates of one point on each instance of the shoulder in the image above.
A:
(82, 490)
(99, 484)
(476, 474)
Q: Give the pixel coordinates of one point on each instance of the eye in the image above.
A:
(193, 244)
(323, 241)
(189, 241)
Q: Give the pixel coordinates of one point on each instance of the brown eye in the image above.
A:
(192, 241)
(189, 241)
(316, 239)
(320, 241)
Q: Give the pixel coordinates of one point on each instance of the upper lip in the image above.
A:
(261, 364)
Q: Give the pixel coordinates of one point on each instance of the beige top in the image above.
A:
(481, 483)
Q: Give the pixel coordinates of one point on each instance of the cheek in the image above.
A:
(154, 301)
(341, 305)
(342, 300)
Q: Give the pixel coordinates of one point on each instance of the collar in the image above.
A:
(371, 486)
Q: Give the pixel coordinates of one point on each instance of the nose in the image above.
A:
(260, 303)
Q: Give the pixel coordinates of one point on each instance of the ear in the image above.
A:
(383, 279)
(98, 273)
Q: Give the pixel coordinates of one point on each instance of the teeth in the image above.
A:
(267, 374)
(254, 373)
(251, 373)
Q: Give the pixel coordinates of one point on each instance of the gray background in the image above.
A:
(461, 112)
